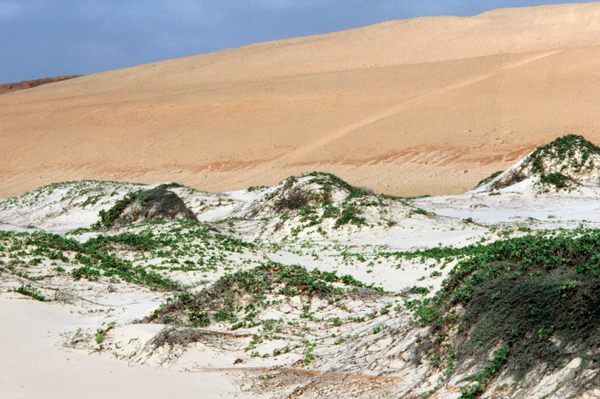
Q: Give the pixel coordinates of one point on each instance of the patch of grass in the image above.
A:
(489, 179)
(328, 179)
(101, 333)
(96, 261)
(198, 318)
(350, 215)
(309, 357)
(256, 188)
(483, 378)
(556, 179)
(108, 217)
(330, 211)
(31, 292)
(421, 211)
(555, 161)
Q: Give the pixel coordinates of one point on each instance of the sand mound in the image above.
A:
(155, 204)
(320, 204)
(566, 163)
(314, 189)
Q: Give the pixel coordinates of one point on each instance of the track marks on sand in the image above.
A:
(337, 134)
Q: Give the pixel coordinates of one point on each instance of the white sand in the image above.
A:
(33, 366)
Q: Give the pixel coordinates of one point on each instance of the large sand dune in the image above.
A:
(428, 105)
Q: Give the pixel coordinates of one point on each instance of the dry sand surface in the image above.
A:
(38, 368)
(427, 105)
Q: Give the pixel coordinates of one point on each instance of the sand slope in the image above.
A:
(40, 369)
(426, 105)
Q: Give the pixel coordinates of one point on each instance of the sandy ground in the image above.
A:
(34, 366)
(360, 345)
(428, 105)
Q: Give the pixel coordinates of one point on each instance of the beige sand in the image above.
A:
(427, 105)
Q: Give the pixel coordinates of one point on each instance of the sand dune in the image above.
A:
(427, 105)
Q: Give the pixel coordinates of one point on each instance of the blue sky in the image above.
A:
(41, 38)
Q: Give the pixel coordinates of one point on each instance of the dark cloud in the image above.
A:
(54, 37)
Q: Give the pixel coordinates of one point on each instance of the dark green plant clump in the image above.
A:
(108, 217)
(489, 178)
(155, 204)
(483, 377)
(294, 199)
(256, 188)
(538, 296)
(556, 180)
(328, 179)
(350, 215)
(31, 292)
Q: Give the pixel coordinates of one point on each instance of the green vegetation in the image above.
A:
(256, 188)
(313, 201)
(29, 291)
(556, 179)
(109, 217)
(222, 301)
(511, 305)
(93, 255)
(489, 178)
(157, 203)
(556, 163)
(573, 149)
(101, 333)
(326, 179)
(293, 199)
(309, 357)
(141, 255)
(350, 215)
(78, 193)
(108, 265)
(199, 318)
(483, 378)
(421, 211)
(538, 296)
